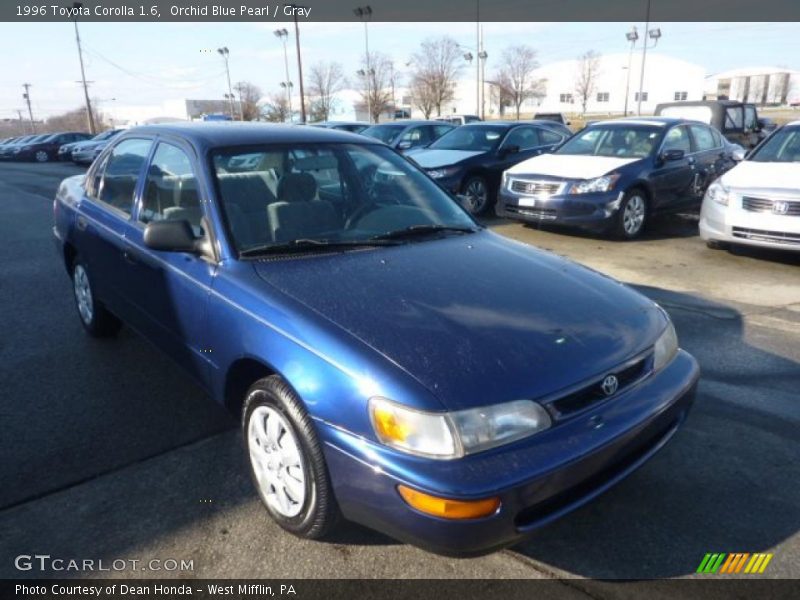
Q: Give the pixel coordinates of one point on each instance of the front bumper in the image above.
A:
(84, 157)
(595, 211)
(733, 224)
(538, 479)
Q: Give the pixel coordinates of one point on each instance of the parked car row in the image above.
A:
(77, 146)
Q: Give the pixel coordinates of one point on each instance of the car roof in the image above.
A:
(792, 124)
(408, 122)
(653, 121)
(215, 134)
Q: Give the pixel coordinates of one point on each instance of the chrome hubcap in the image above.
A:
(41, 156)
(633, 217)
(276, 461)
(83, 294)
(476, 193)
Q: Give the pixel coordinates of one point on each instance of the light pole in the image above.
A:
(299, 65)
(283, 35)
(365, 14)
(480, 66)
(89, 115)
(288, 85)
(225, 53)
(631, 36)
(653, 34)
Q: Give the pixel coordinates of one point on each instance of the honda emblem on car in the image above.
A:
(610, 385)
(780, 208)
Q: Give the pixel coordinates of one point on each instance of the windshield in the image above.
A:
(385, 133)
(617, 141)
(783, 146)
(333, 193)
(479, 138)
(39, 138)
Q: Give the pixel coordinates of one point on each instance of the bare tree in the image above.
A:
(437, 66)
(249, 95)
(325, 79)
(276, 108)
(515, 76)
(586, 77)
(378, 94)
(73, 120)
(422, 94)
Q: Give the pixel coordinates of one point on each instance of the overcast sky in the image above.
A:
(148, 63)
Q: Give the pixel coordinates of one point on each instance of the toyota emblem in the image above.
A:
(610, 385)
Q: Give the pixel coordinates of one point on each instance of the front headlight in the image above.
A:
(666, 348)
(598, 184)
(443, 172)
(455, 434)
(718, 193)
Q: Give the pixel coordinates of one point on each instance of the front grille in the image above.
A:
(543, 214)
(588, 395)
(765, 205)
(762, 235)
(535, 188)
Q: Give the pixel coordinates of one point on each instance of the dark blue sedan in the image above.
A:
(613, 176)
(391, 360)
(471, 159)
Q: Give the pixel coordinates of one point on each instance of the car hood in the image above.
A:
(476, 319)
(569, 166)
(750, 174)
(433, 159)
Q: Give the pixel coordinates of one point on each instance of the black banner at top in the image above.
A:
(401, 10)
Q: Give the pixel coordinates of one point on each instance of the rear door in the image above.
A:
(102, 217)
(710, 156)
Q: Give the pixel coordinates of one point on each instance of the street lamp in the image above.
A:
(283, 35)
(225, 53)
(480, 66)
(631, 36)
(365, 14)
(653, 34)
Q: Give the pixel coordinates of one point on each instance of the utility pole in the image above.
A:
(27, 96)
(89, 114)
(299, 68)
(21, 122)
(364, 13)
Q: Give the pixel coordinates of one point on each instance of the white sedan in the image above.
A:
(758, 201)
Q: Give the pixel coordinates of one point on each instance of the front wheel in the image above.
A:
(286, 461)
(96, 320)
(477, 194)
(41, 156)
(632, 215)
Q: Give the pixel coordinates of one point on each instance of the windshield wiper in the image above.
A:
(421, 230)
(310, 244)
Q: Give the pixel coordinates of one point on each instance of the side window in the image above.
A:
(717, 138)
(549, 137)
(121, 172)
(703, 138)
(524, 137)
(677, 138)
(734, 118)
(94, 177)
(750, 118)
(170, 190)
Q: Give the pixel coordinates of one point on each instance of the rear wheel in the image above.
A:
(632, 215)
(97, 321)
(286, 461)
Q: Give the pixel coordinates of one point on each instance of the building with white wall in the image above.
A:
(761, 85)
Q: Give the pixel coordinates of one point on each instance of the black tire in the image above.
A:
(717, 245)
(318, 511)
(97, 321)
(477, 204)
(633, 214)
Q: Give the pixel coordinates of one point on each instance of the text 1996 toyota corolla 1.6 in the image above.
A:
(392, 361)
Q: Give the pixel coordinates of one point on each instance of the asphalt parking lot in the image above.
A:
(109, 452)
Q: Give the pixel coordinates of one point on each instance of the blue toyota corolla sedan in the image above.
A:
(393, 362)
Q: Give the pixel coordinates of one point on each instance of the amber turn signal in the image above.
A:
(446, 508)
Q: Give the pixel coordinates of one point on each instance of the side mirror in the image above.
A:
(738, 153)
(170, 236)
(672, 154)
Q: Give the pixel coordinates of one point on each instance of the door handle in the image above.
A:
(129, 256)
(82, 223)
